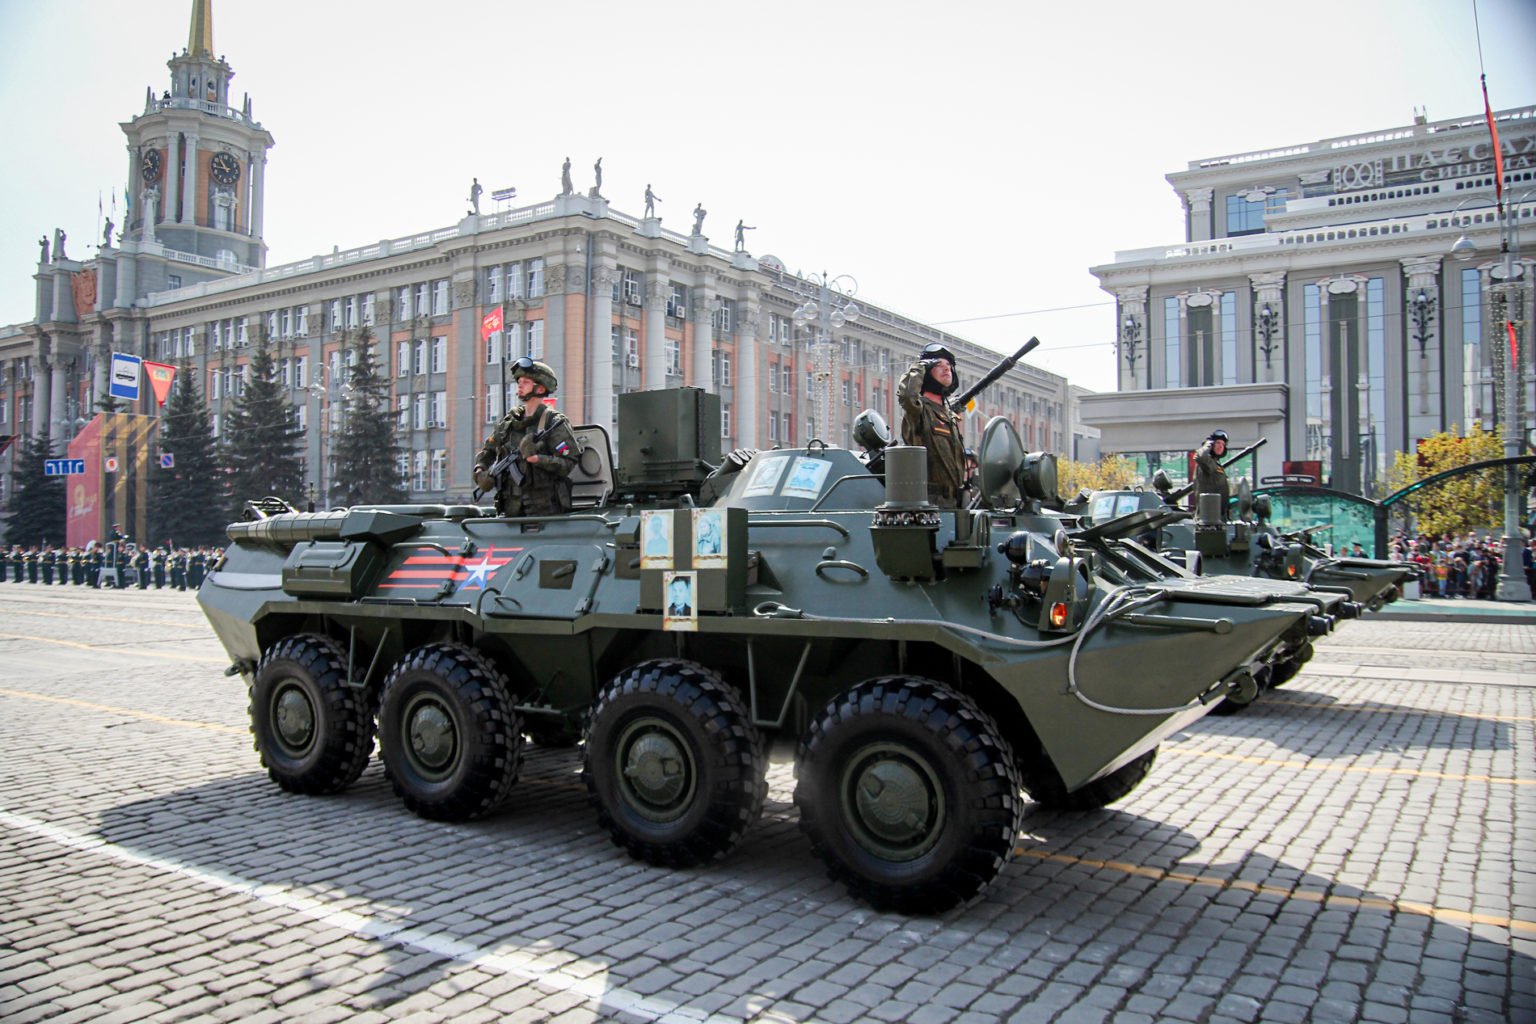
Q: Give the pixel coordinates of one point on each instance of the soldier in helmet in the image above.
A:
(544, 442)
(1210, 477)
(928, 420)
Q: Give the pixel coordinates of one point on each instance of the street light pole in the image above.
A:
(1512, 584)
(829, 304)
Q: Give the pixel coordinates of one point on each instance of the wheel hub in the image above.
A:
(432, 735)
(657, 771)
(894, 803)
(294, 717)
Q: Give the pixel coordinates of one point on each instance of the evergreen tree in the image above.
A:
(187, 503)
(38, 505)
(367, 452)
(261, 439)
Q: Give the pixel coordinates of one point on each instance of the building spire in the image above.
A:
(200, 38)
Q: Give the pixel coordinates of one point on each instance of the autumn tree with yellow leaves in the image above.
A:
(1111, 473)
(1461, 504)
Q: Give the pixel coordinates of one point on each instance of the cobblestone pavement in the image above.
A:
(1359, 845)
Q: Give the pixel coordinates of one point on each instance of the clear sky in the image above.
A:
(965, 161)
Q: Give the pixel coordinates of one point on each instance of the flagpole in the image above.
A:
(501, 357)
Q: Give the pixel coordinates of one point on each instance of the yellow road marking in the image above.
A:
(1364, 709)
(144, 715)
(1329, 900)
(115, 650)
(1347, 768)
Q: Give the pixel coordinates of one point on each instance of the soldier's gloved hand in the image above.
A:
(484, 480)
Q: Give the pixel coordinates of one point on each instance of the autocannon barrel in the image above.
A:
(290, 528)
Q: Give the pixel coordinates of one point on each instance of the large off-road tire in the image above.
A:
(314, 732)
(909, 794)
(448, 734)
(673, 763)
(1045, 787)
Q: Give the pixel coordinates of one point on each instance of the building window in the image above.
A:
(403, 303)
(420, 306)
(1247, 218)
(402, 359)
(723, 316)
(493, 285)
(1477, 386)
(674, 357)
(419, 474)
(421, 358)
(439, 409)
(439, 464)
(788, 379)
(402, 411)
(368, 309)
(773, 426)
(440, 297)
(351, 311)
(514, 338)
(677, 302)
(439, 355)
(725, 420)
(536, 339)
(492, 403)
(1316, 445)
(535, 277)
(515, 280)
(419, 411)
(493, 344)
(632, 287)
(213, 384)
(301, 372)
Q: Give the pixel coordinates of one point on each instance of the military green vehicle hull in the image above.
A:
(930, 667)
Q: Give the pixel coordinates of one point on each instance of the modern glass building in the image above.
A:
(1315, 300)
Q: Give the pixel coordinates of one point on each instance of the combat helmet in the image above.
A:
(538, 372)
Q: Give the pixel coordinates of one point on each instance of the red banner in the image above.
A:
(491, 323)
(161, 376)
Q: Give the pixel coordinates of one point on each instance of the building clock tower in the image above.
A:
(196, 164)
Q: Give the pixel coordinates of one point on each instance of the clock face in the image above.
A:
(150, 167)
(224, 168)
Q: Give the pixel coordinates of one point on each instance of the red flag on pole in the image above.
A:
(490, 324)
(1498, 150)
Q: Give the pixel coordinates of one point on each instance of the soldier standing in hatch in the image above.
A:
(1210, 477)
(928, 420)
(543, 439)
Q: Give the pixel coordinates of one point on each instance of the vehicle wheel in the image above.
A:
(1046, 788)
(314, 731)
(448, 734)
(909, 794)
(673, 763)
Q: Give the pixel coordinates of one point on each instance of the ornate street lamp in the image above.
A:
(829, 305)
(1423, 312)
(1130, 340)
(1268, 324)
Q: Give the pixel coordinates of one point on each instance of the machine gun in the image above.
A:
(511, 465)
(960, 401)
(1174, 497)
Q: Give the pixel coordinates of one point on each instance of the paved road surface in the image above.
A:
(1359, 846)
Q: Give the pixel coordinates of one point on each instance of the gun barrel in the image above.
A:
(960, 400)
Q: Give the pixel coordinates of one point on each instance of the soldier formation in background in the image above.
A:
(118, 564)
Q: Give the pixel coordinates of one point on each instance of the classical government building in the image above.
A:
(613, 302)
(1315, 301)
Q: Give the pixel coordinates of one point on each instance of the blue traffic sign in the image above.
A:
(125, 376)
(63, 467)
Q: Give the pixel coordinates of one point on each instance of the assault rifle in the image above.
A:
(958, 403)
(510, 466)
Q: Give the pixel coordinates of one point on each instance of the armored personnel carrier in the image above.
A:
(929, 666)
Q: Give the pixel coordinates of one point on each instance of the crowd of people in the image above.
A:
(1465, 566)
(118, 564)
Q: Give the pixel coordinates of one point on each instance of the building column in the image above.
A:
(748, 373)
(258, 165)
(189, 186)
(42, 389)
(600, 338)
(1268, 331)
(655, 359)
(172, 177)
(1197, 201)
(1135, 338)
(101, 366)
(702, 298)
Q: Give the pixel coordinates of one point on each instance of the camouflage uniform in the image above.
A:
(546, 487)
(935, 426)
(1210, 477)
